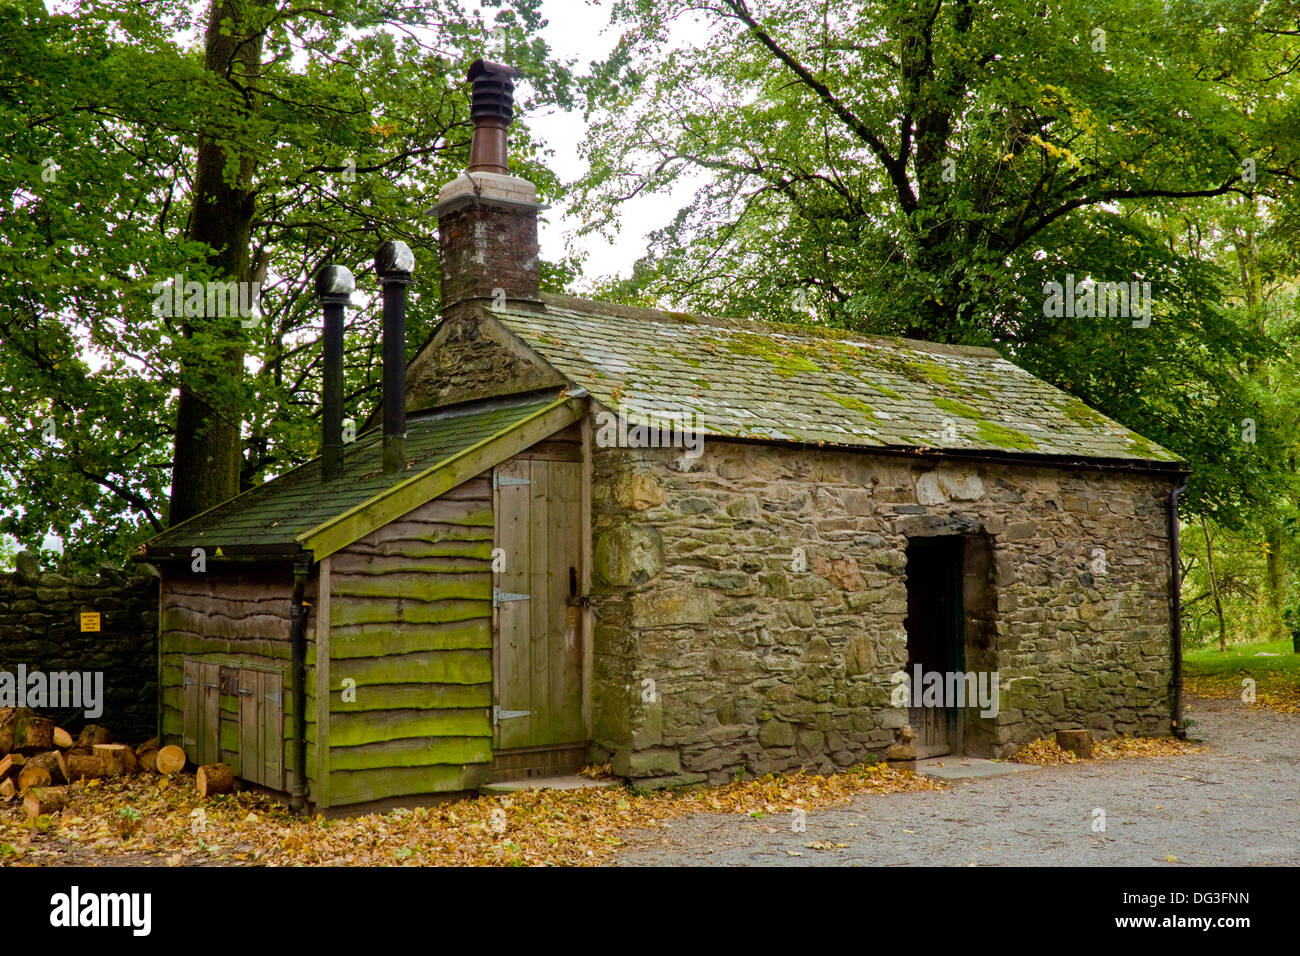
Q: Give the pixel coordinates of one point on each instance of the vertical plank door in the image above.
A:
(538, 659)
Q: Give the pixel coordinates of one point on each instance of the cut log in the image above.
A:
(150, 744)
(33, 777)
(85, 767)
(11, 764)
(45, 800)
(131, 761)
(114, 757)
(215, 778)
(54, 762)
(147, 761)
(7, 789)
(33, 734)
(8, 717)
(1077, 741)
(171, 759)
(62, 739)
(90, 735)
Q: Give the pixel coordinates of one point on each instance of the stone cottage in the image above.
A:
(700, 546)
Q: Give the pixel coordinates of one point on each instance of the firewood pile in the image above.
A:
(39, 760)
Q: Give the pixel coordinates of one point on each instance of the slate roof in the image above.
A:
(272, 517)
(794, 383)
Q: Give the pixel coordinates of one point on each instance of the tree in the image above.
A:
(928, 169)
(336, 136)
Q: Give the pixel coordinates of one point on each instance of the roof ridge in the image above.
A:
(578, 304)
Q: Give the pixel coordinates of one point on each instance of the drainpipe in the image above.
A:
(1176, 611)
(298, 639)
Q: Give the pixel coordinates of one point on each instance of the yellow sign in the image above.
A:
(89, 621)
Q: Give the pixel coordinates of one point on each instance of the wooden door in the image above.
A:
(537, 660)
(935, 639)
(201, 728)
(261, 727)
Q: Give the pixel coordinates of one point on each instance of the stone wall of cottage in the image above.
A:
(713, 655)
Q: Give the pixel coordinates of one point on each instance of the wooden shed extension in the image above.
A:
(399, 688)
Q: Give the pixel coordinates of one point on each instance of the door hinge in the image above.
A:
(499, 715)
(189, 681)
(500, 597)
(211, 686)
(273, 698)
(498, 480)
(247, 691)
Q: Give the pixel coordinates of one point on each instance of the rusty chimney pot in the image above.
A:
(492, 107)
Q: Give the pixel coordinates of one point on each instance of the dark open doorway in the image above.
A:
(951, 629)
(936, 637)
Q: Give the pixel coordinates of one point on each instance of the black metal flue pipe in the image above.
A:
(394, 263)
(334, 286)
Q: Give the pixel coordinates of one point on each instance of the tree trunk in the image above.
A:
(206, 462)
(1275, 582)
(1214, 585)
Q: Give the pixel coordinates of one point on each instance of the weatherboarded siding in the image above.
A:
(238, 618)
(410, 610)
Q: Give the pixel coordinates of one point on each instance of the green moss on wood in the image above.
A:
(376, 640)
(412, 697)
(412, 753)
(430, 667)
(383, 611)
(370, 727)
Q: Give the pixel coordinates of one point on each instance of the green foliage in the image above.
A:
(925, 170)
(360, 118)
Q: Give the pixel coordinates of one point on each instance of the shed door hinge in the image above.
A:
(499, 715)
(273, 698)
(498, 480)
(500, 597)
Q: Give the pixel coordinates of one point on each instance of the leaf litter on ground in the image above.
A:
(170, 825)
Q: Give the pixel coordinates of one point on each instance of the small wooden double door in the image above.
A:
(537, 605)
(235, 715)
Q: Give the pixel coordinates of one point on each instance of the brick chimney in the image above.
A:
(487, 219)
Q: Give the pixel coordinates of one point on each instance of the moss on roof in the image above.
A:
(814, 385)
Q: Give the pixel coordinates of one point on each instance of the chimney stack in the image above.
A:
(487, 219)
(394, 263)
(334, 285)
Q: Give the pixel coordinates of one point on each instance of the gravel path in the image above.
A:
(1234, 805)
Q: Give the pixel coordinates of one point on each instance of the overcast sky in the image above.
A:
(579, 28)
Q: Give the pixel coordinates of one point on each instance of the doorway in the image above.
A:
(537, 661)
(936, 639)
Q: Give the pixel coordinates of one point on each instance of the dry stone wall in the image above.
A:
(714, 654)
(40, 630)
